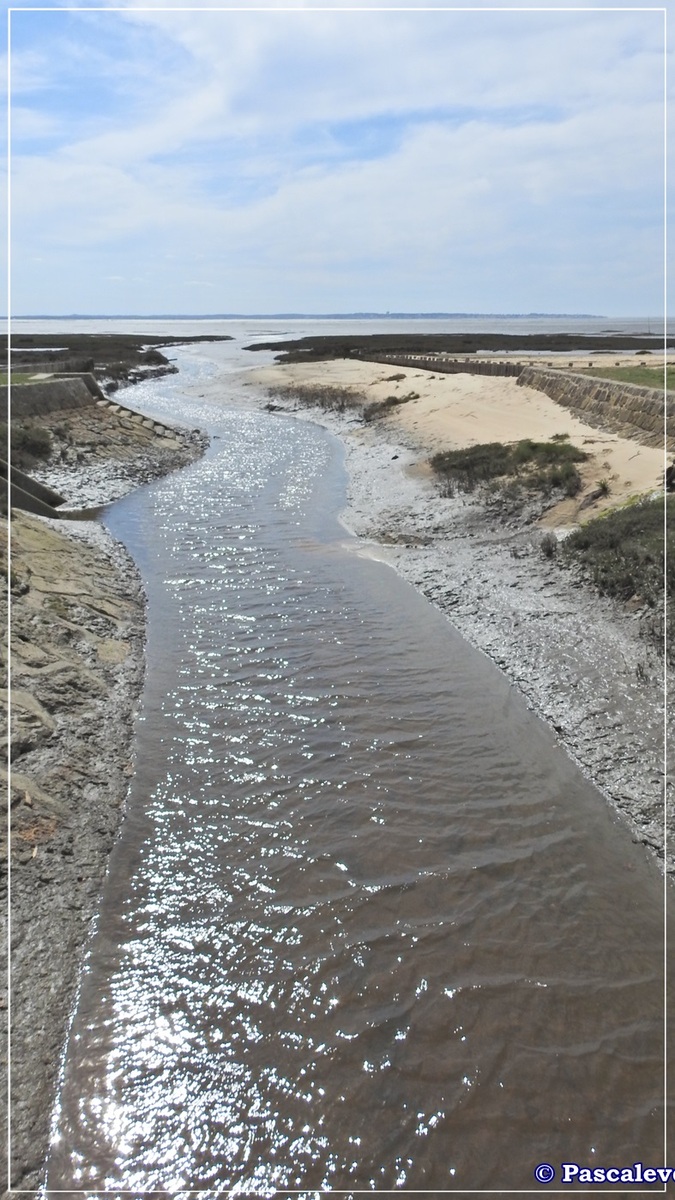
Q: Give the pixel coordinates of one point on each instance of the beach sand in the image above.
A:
(455, 411)
(577, 659)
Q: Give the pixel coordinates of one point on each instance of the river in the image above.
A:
(366, 926)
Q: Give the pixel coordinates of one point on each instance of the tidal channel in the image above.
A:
(366, 927)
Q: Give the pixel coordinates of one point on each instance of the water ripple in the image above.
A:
(366, 927)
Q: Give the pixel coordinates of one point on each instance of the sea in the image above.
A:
(250, 329)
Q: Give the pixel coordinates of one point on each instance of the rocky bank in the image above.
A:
(77, 661)
(77, 615)
(99, 454)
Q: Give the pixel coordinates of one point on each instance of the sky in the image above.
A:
(327, 158)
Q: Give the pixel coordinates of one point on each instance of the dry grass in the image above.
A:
(324, 396)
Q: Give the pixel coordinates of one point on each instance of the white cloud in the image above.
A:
(355, 64)
(29, 124)
(506, 139)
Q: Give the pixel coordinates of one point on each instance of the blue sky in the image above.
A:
(335, 161)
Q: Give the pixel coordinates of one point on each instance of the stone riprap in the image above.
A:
(102, 449)
(61, 392)
(620, 407)
(624, 408)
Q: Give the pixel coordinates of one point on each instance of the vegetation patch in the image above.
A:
(380, 408)
(17, 377)
(623, 554)
(643, 376)
(29, 442)
(534, 466)
(329, 346)
(324, 396)
(336, 399)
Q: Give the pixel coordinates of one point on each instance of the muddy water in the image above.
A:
(366, 927)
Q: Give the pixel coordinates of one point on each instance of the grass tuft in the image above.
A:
(380, 408)
(549, 545)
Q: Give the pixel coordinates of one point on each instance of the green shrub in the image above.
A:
(29, 442)
(549, 545)
(567, 477)
(539, 466)
(622, 553)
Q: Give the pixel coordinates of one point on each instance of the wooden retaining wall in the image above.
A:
(445, 366)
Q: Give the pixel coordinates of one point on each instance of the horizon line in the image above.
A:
(287, 316)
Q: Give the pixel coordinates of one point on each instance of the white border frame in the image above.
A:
(541, 7)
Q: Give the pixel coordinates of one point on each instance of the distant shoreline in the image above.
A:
(308, 316)
(457, 344)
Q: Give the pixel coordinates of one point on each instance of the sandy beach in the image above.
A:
(578, 659)
(454, 411)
